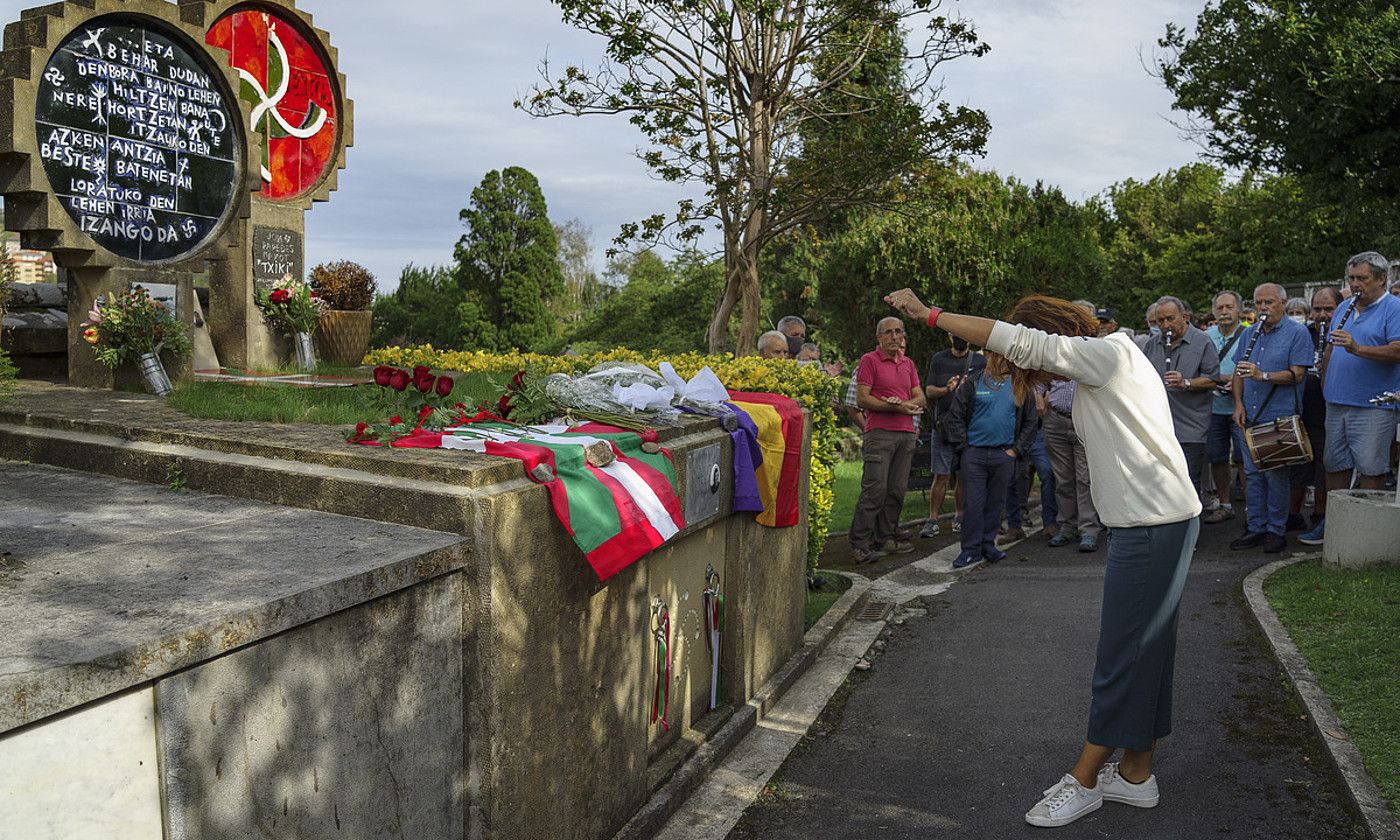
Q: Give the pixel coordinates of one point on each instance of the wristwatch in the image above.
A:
(1266, 376)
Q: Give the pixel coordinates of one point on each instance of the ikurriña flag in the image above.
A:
(615, 513)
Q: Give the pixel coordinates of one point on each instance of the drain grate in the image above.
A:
(876, 611)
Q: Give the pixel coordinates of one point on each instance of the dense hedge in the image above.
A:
(811, 388)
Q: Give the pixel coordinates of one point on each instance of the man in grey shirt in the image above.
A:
(1190, 368)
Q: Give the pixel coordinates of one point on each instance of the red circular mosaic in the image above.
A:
(292, 94)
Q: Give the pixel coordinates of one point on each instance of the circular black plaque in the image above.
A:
(137, 138)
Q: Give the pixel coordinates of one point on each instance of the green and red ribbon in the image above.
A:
(713, 601)
(661, 697)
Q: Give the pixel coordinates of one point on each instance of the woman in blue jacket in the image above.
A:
(991, 429)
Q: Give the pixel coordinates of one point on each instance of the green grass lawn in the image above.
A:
(820, 600)
(1347, 625)
(847, 490)
(270, 403)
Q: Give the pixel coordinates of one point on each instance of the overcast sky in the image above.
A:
(433, 81)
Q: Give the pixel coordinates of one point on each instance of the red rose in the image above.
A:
(360, 428)
(398, 380)
(420, 371)
(423, 383)
(444, 386)
(382, 374)
(279, 296)
(395, 420)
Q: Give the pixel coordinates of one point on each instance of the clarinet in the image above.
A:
(1346, 316)
(1168, 335)
(1324, 335)
(1253, 340)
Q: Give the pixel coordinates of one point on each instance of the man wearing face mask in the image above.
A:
(946, 370)
(1149, 317)
(1361, 361)
(795, 330)
(887, 389)
(1297, 310)
(1268, 385)
(1189, 365)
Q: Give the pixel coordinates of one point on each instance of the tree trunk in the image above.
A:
(750, 300)
(718, 333)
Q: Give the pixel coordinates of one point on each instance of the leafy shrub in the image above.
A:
(344, 285)
(811, 388)
(7, 377)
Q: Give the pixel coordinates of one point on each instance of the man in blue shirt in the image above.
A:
(1362, 361)
(1271, 358)
(1226, 337)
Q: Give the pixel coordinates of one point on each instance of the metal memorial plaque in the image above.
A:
(276, 253)
(704, 479)
(136, 138)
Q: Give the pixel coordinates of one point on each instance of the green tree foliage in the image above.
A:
(1303, 88)
(728, 92)
(1192, 232)
(508, 265)
(422, 310)
(656, 305)
(967, 240)
(583, 288)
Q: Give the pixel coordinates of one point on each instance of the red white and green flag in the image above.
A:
(615, 513)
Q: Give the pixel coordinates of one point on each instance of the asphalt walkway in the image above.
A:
(971, 710)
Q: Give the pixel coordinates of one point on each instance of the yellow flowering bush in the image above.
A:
(808, 385)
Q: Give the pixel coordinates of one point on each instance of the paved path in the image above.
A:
(972, 710)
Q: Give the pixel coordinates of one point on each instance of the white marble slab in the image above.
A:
(88, 774)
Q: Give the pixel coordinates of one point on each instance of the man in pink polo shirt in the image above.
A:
(887, 389)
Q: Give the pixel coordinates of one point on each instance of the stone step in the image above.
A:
(354, 492)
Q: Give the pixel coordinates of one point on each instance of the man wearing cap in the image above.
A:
(1107, 323)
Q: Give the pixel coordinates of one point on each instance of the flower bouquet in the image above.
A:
(133, 327)
(293, 306)
(425, 405)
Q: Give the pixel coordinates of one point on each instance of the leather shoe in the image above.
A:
(1274, 543)
(1249, 539)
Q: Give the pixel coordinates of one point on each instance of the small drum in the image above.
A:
(1279, 443)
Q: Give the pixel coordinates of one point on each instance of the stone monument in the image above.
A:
(303, 123)
(123, 151)
(147, 142)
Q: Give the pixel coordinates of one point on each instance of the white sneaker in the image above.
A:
(1115, 788)
(1064, 803)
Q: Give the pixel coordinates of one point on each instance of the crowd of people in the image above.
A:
(1245, 383)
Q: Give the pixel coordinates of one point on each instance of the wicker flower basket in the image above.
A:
(342, 337)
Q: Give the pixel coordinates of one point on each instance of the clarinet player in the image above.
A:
(1270, 361)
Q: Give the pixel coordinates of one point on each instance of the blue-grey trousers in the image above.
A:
(1132, 690)
(986, 477)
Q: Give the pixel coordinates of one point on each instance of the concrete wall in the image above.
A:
(567, 663)
(506, 697)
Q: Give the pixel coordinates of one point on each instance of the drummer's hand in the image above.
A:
(1343, 339)
(1239, 417)
(1174, 379)
(908, 303)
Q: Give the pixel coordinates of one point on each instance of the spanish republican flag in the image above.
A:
(779, 422)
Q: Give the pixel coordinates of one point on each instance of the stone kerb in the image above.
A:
(127, 162)
(1363, 529)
